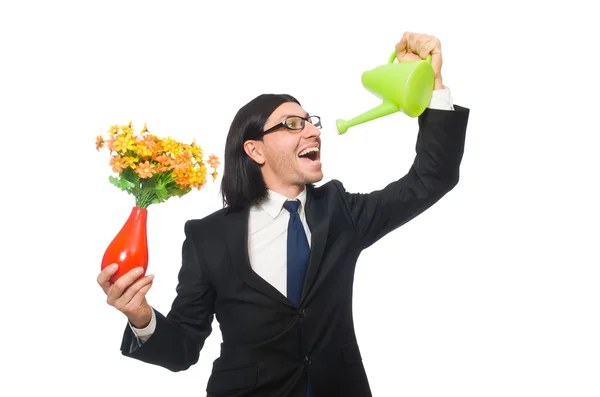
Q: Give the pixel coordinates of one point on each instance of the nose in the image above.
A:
(310, 131)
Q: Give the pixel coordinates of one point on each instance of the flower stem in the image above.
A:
(144, 198)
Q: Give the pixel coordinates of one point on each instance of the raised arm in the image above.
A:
(434, 172)
(435, 169)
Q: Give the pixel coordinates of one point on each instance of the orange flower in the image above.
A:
(145, 170)
(118, 163)
(99, 142)
(213, 161)
(110, 144)
(149, 142)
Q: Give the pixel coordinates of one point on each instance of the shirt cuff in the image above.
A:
(441, 99)
(145, 333)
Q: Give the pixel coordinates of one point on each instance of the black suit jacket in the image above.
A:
(268, 343)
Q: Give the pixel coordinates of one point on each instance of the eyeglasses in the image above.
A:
(296, 123)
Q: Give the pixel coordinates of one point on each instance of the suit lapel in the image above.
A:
(236, 235)
(318, 223)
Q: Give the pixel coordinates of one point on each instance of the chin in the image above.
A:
(311, 172)
(313, 177)
(313, 180)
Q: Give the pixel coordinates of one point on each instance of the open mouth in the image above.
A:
(311, 153)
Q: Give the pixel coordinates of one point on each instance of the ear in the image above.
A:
(254, 149)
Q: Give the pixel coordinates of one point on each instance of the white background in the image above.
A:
(494, 291)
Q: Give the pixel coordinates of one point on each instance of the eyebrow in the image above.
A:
(306, 114)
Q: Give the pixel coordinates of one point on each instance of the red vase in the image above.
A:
(129, 248)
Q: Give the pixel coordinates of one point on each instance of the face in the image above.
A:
(289, 159)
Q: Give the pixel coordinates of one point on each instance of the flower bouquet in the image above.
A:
(152, 169)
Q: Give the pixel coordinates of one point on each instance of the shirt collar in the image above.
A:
(273, 203)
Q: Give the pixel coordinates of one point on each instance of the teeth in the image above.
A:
(306, 151)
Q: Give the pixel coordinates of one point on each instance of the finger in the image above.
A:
(417, 43)
(138, 298)
(119, 287)
(130, 292)
(104, 277)
(434, 47)
(401, 47)
(428, 47)
(411, 42)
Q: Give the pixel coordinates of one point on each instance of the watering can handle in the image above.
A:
(394, 54)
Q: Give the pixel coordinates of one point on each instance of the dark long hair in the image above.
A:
(242, 183)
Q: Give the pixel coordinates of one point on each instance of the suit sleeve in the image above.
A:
(434, 172)
(179, 336)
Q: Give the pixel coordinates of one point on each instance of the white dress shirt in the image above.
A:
(267, 238)
(267, 231)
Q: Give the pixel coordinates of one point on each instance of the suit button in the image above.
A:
(307, 360)
(303, 313)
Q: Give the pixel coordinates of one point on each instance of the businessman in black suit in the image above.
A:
(276, 264)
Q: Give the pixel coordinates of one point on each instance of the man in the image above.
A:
(276, 265)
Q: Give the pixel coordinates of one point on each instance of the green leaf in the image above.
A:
(130, 175)
(180, 192)
(150, 183)
(122, 183)
(161, 193)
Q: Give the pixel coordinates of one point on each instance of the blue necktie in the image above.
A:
(298, 253)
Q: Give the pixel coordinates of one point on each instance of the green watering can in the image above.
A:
(404, 86)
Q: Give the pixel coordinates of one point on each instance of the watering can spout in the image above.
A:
(387, 107)
(405, 86)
